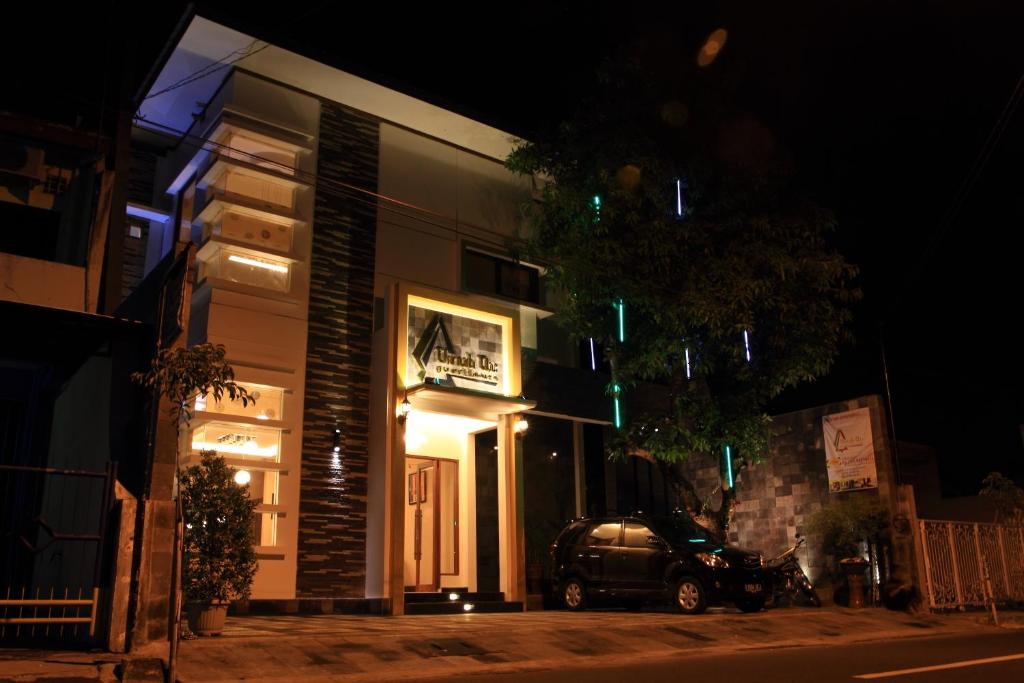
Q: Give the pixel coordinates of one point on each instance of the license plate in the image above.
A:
(752, 587)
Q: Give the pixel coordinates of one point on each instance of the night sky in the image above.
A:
(884, 106)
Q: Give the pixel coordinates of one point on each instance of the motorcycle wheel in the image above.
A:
(807, 590)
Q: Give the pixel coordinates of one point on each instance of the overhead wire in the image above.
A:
(231, 58)
(964, 190)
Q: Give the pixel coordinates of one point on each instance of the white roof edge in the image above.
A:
(206, 38)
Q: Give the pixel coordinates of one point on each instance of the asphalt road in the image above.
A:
(886, 661)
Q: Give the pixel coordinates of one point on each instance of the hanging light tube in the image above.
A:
(593, 356)
(686, 352)
(622, 320)
(728, 465)
(679, 198)
(746, 344)
(618, 412)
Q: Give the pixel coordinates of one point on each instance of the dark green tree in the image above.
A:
(219, 559)
(660, 194)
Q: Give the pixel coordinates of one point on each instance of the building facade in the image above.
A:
(354, 260)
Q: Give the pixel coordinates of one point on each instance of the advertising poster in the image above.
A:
(850, 451)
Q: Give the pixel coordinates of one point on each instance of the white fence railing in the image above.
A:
(959, 555)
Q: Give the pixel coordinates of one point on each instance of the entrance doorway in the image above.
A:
(433, 500)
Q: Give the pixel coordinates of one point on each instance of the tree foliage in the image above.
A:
(181, 374)
(749, 252)
(219, 560)
(1007, 497)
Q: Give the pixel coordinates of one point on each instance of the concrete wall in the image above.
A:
(42, 283)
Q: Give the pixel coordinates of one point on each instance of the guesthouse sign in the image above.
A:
(454, 350)
(849, 451)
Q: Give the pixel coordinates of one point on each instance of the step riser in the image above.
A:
(425, 608)
(463, 597)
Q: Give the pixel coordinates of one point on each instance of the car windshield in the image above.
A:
(680, 529)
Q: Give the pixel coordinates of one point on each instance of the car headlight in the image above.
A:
(713, 561)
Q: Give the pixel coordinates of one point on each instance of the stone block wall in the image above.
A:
(775, 498)
(333, 489)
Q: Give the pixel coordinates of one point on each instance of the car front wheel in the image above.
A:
(689, 596)
(574, 594)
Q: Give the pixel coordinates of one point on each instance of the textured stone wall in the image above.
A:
(776, 497)
(332, 503)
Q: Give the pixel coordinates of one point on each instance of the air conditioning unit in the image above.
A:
(22, 160)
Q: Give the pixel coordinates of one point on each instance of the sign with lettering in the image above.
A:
(850, 451)
(454, 350)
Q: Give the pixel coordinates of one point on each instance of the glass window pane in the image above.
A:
(638, 536)
(268, 405)
(238, 440)
(604, 534)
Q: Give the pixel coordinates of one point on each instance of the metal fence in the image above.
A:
(959, 557)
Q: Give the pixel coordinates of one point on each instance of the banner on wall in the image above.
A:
(454, 350)
(850, 451)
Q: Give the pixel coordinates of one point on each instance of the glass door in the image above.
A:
(434, 501)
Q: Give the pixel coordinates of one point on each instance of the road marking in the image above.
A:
(939, 667)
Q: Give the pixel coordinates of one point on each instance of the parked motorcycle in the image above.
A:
(789, 583)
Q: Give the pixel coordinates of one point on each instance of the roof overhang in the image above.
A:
(202, 57)
(481, 405)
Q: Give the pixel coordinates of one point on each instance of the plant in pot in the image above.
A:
(180, 375)
(845, 527)
(219, 561)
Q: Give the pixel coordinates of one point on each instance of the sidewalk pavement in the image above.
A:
(359, 648)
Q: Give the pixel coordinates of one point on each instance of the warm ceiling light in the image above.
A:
(258, 264)
(242, 477)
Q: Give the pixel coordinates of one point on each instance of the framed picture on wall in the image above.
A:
(414, 488)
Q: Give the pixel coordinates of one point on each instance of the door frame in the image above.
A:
(434, 462)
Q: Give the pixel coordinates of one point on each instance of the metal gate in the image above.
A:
(52, 542)
(959, 556)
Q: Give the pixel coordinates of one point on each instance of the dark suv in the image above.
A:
(641, 559)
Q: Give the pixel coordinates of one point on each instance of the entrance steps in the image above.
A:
(458, 601)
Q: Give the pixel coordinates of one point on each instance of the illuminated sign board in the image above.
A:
(456, 347)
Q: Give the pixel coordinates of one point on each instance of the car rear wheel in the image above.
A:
(689, 596)
(574, 594)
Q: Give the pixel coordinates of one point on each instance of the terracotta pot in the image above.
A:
(208, 619)
(854, 568)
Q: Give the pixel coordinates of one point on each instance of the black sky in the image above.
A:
(884, 106)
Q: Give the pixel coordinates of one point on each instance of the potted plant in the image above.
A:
(180, 375)
(846, 527)
(219, 561)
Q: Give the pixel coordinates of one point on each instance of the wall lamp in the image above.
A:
(404, 408)
(520, 426)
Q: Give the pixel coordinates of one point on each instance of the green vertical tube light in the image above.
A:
(622, 320)
(618, 412)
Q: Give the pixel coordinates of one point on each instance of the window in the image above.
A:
(639, 536)
(268, 403)
(604, 534)
(486, 274)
